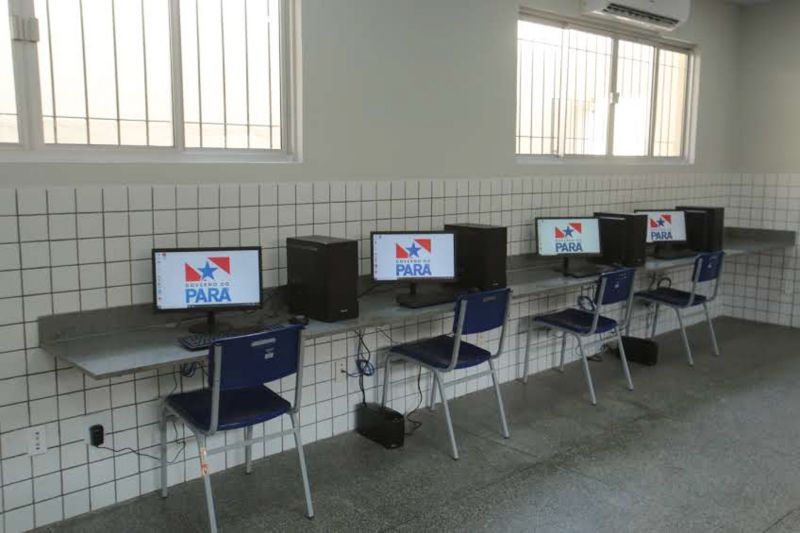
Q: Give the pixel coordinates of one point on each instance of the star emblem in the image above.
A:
(207, 271)
(413, 250)
(660, 221)
(568, 232)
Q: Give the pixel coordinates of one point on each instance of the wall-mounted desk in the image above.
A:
(119, 341)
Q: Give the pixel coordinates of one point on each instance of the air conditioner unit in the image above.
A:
(658, 15)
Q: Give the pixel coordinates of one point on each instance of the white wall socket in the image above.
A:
(37, 441)
(340, 371)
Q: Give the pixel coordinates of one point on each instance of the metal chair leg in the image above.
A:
(586, 371)
(711, 330)
(500, 408)
(447, 416)
(387, 370)
(624, 359)
(655, 321)
(685, 338)
(206, 474)
(162, 426)
(563, 352)
(432, 405)
(298, 441)
(526, 366)
(248, 451)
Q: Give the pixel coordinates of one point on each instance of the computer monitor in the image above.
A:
(415, 257)
(665, 226)
(207, 279)
(568, 237)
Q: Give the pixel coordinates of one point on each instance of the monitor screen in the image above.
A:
(206, 278)
(413, 256)
(568, 236)
(665, 226)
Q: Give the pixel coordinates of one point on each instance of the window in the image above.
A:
(9, 130)
(231, 74)
(169, 74)
(104, 72)
(588, 93)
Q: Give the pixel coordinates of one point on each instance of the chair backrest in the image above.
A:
(707, 266)
(614, 287)
(478, 312)
(484, 311)
(252, 360)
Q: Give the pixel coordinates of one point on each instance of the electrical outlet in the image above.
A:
(37, 441)
(340, 371)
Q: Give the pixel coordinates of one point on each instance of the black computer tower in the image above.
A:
(622, 238)
(704, 228)
(480, 255)
(322, 277)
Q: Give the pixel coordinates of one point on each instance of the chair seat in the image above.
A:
(238, 408)
(670, 296)
(437, 352)
(576, 321)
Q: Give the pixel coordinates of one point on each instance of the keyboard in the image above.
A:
(587, 271)
(427, 299)
(202, 341)
(674, 254)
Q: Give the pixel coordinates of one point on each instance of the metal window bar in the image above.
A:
(224, 75)
(199, 77)
(577, 127)
(52, 75)
(85, 82)
(15, 111)
(651, 141)
(247, 72)
(116, 69)
(144, 72)
(269, 72)
(613, 99)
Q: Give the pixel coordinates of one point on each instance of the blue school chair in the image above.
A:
(612, 287)
(236, 398)
(707, 267)
(474, 313)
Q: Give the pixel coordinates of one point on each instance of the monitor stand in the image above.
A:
(210, 326)
(415, 300)
(584, 269)
(672, 250)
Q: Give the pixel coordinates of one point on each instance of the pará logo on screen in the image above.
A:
(569, 238)
(208, 281)
(413, 260)
(661, 227)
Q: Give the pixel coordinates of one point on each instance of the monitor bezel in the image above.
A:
(210, 308)
(673, 210)
(412, 280)
(587, 254)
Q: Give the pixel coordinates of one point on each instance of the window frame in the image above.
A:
(617, 32)
(32, 148)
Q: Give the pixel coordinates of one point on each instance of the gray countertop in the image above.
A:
(130, 340)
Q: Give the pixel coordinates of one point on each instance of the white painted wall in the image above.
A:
(425, 88)
(769, 82)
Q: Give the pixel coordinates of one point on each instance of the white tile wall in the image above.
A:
(764, 287)
(67, 249)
